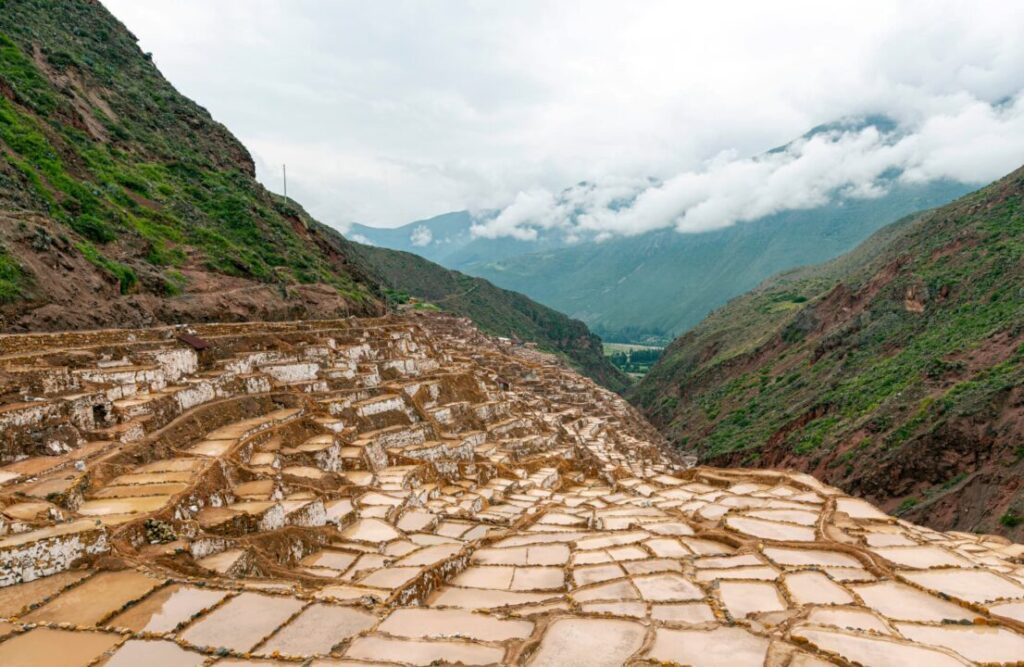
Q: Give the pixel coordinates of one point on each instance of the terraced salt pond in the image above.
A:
(405, 491)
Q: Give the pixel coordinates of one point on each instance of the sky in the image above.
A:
(593, 117)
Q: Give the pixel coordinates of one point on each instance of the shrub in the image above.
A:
(1011, 519)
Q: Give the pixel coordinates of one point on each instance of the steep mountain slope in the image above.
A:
(125, 203)
(654, 286)
(496, 311)
(895, 371)
(122, 203)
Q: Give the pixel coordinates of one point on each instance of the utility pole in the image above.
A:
(284, 177)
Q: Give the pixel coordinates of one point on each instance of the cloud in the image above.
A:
(974, 144)
(388, 112)
(421, 236)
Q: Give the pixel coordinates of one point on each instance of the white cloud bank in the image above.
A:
(976, 143)
(392, 111)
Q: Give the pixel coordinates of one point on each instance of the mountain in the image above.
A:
(496, 311)
(123, 203)
(895, 371)
(651, 287)
(448, 240)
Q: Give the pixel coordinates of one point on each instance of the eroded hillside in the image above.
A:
(407, 491)
(894, 372)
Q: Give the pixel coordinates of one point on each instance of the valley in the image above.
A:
(652, 287)
(763, 410)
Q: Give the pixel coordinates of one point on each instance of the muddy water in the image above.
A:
(153, 477)
(370, 530)
(171, 465)
(14, 599)
(212, 448)
(133, 490)
(136, 653)
(94, 600)
(166, 609)
(44, 646)
(122, 505)
(223, 561)
(335, 560)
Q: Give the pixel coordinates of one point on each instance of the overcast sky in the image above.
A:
(391, 111)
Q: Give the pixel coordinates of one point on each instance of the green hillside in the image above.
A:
(102, 160)
(894, 372)
(496, 311)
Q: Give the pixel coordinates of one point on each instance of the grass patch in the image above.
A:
(907, 505)
(1011, 519)
(124, 274)
(11, 278)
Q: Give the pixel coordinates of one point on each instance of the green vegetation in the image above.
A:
(907, 505)
(125, 276)
(11, 278)
(814, 434)
(874, 364)
(1011, 520)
